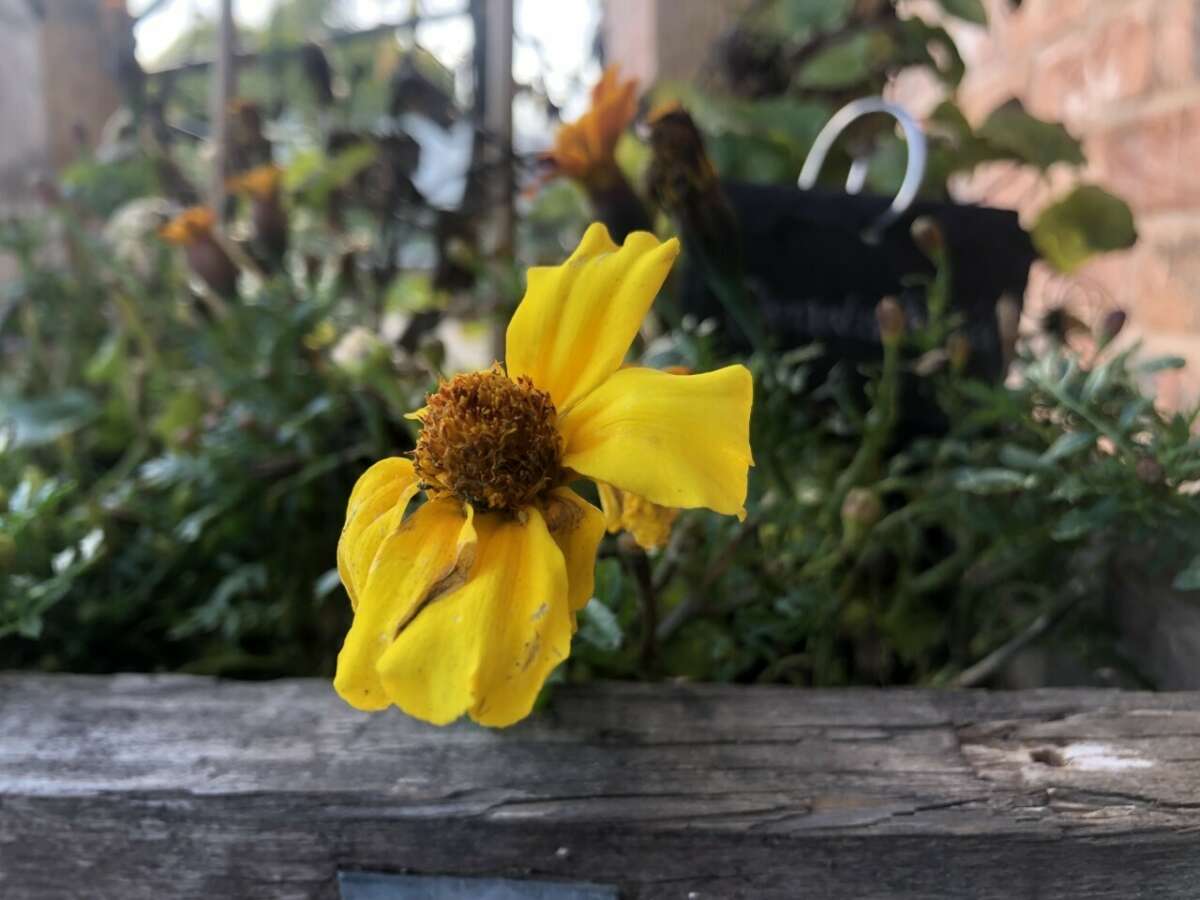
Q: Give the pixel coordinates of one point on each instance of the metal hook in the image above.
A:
(914, 172)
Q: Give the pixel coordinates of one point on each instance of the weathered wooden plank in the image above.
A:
(140, 786)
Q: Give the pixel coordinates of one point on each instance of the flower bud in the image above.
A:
(1008, 322)
(861, 509)
(890, 317)
(1111, 326)
(927, 235)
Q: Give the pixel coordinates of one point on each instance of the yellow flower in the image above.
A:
(260, 183)
(192, 225)
(467, 604)
(583, 150)
(649, 523)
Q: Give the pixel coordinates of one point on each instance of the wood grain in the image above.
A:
(151, 787)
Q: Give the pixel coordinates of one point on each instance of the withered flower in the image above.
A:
(584, 150)
(192, 230)
(261, 184)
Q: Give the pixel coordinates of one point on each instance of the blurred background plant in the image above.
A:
(187, 397)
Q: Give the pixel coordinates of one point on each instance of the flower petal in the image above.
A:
(422, 558)
(677, 440)
(487, 647)
(576, 321)
(577, 528)
(610, 502)
(376, 506)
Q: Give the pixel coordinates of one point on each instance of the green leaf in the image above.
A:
(1083, 520)
(847, 62)
(1132, 412)
(1011, 129)
(1071, 489)
(970, 10)
(1161, 363)
(991, 481)
(609, 582)
(1087, 221)
(1096, 382)
(1068, 445)
(31, 423)
(599, 627)
(804, 16)
(1189, 578)
(1015, 457)
(184, 410)
(922, 44)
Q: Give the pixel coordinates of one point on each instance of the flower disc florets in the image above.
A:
(489, 441)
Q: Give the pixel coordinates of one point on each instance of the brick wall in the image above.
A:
(665, 40)
(1124, 77)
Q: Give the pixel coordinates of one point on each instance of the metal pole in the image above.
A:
(498, 91)
(223, 88)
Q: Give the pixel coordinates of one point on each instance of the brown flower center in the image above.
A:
(489, 441)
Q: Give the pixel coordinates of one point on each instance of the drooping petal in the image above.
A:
(377, 504)
(649, 523)
(677, 440)
(577, 528)
(577, 320)
(486, 648)
(610, 503)
(423, 557)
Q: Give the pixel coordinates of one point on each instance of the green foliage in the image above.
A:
(971, 535)
(1087, 221)
(1029, 140)
(847, 62)
(201, 458)
(970, 10)
(175, 466)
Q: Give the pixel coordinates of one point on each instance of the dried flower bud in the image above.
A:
(927, 235)
(1111, 326)
(890, 317)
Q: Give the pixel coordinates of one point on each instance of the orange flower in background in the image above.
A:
(583, 149)
(192, 230)
(191, 226)
(261, 182)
